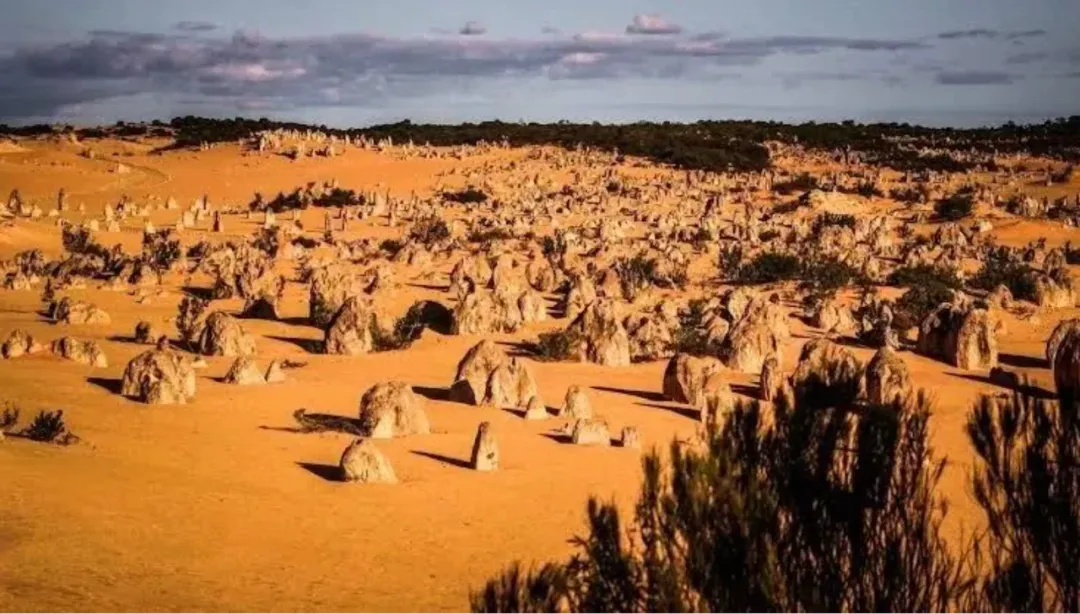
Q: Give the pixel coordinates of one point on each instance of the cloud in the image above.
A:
(974, 77)
(194, 26)
(250, 70)
(652, 24)
(1027, 58)
(984, 33)
(472, 28)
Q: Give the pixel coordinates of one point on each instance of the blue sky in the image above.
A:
(356, 62)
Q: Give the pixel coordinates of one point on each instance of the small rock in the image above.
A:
(363, 463)
(485, 452)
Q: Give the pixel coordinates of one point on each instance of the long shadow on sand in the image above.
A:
(449, 460)
(111, 385)
(686, 412)
(641, 394)
(330, 473)
(1035, 391)
(432, 393)
(1023, 362)
(311, 346)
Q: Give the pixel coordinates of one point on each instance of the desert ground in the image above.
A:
(225, 502)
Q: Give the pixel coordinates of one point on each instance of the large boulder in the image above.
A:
(887, 377)
(485, 451)
(392, 409)
(510, 385)
(826, 362)
(470, 274)
(484, 312)
(976, 342)
(758, 334)
(19, 343)
(475, 369)
(223, 335)
(363, 463)
(244, 372)
(70, 311)
(261, 291)
(685, 378)
(159, 377)
(590, 432)
(834, 317)
(352, 331)
(83, 352)
(1066, 365)
(581, 294)
(576, 406)
(330, 287)
(1063, 329)
(603, 339)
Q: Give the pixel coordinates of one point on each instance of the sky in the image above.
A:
(350, 63)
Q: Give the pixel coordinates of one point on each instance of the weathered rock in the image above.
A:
(718, 401)
(159, 376)
(630, 438)
(223, 335)
(1064, 328)
(485, 451)
(69, 311)
(581, 294)
(392, 409)
(473, 372)
(685, 377)
(19, 343)
(1066, 365)
(590, 432)
(887, 377)
(364, 463)
(758, 334)
(771, 379)
(274, 373)
(833, 317)
(330, 287)
(536, 410)
(352, 331)
(510, 385)
(244, 372)
(83, 352)
(576, 406)
(604, 340)
(532, 307)
(826, 362)
(483, 312)
(147, 334)
(976, 342)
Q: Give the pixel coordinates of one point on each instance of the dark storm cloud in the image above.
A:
(991, 34)
(358, 68)
(1027, 58)
(194, 26)
(472, 28)
(975, 77)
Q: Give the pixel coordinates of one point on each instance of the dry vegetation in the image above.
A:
(338, 370)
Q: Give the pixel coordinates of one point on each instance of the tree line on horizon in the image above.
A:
(705, 145)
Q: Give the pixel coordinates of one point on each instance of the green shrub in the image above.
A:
(49, 427)
(1003, 266)
(429, 230)
(556, 346)
(770, 267)
(956, 207)
(830, 506)
(823, 277)
(924, 275)
(918, 302)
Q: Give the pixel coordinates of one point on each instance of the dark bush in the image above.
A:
(832, 219)
(730, 260)
(924, 275)
(770, 267)
(918, 302)
(556, 345)
(469, 195)
(489, 235)
(390, 247)
(832, 507)
(188, 318)
(803, 182)
(9, 418)
(691, 336)
(429, 230)
(956, 207)
(909, 194)
(823, 276)
(1003, 266)
(1028, 484)
(49, 427)
(159, 251)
